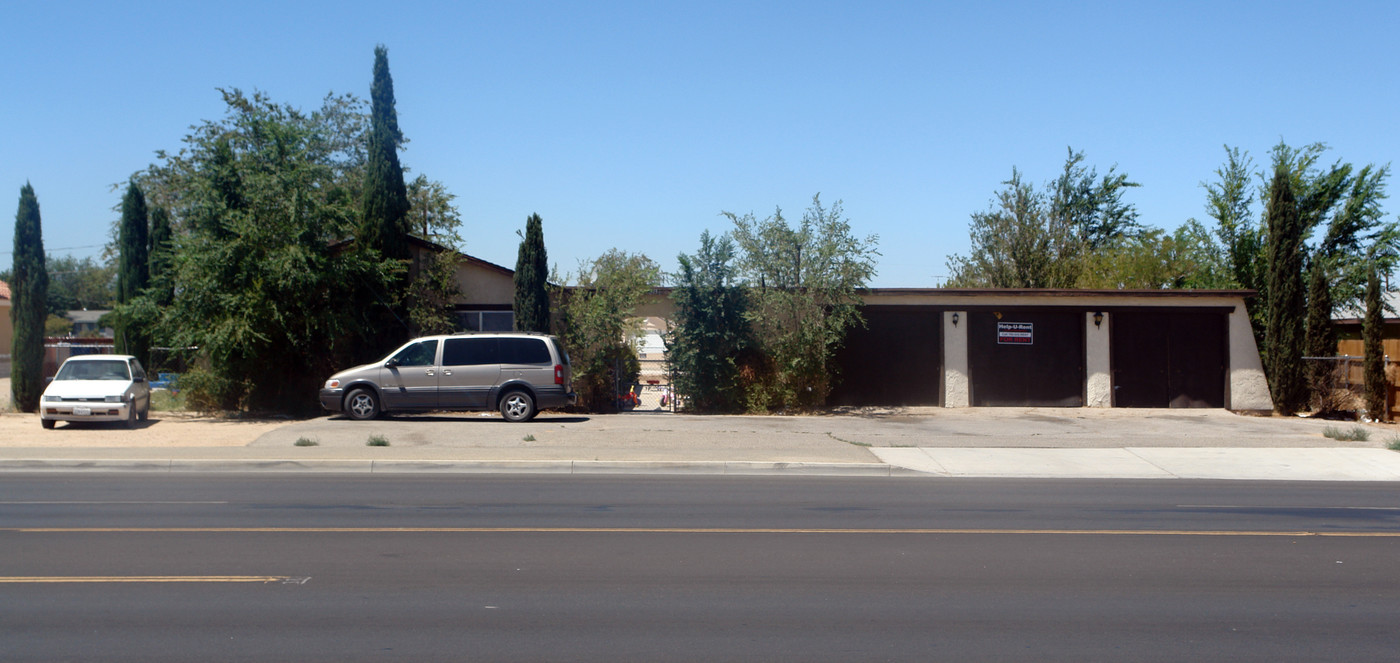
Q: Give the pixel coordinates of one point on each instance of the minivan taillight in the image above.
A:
(558, 374)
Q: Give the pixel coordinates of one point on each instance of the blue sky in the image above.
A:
(632, 125)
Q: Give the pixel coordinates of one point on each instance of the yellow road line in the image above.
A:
(671, 530)
(112, 579)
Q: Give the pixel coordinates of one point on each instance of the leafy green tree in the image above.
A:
(29, 286)
(1228, 201)
(433, 216)
(532, 279)
(79, 283)
(267, 288)
(599, 324)
(431, 295)
(1016, 244)
(1374, 352)
(57, 326)
(1091, 205)
(386, 205)
(803, 284)
(711, 341)
(1154, 259)
(1030, 239)
(133, 271)
(1284, 333)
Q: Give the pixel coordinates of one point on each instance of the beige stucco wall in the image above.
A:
(1249, 389)
(7, 333)
(1098, 379)
(482, 285)
(956, 389)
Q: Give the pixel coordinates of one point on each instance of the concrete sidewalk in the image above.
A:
(934, 442)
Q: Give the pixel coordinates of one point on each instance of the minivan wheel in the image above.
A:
(361, 404)
(518, 406)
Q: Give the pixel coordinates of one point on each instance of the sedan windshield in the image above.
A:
(94, 370)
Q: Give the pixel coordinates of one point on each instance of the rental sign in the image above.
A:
(1015, 333)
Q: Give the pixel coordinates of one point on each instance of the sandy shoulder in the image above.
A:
(164, 429)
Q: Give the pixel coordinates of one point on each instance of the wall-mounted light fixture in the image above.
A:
(955, 318)
(1098, 318)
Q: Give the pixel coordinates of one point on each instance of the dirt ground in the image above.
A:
(163, 429)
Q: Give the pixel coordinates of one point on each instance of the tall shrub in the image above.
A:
(532, 279)
(803, 283)
(1284, 331)
(29, 289)
(133, 270)
(710, 338)
(1374, 353)
(600, 326)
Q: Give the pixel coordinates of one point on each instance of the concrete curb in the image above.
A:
(738, 468)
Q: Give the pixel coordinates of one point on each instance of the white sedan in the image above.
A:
(97, 388)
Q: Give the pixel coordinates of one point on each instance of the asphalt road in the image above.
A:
(298, 568)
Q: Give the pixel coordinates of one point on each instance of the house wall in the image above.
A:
(482, 284)
(7, 331)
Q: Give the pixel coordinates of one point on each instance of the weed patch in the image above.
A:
(377, 441)
(306, 442)
(1354, 434)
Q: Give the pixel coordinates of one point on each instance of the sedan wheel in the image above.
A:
(518, 406)
(361, 404)
(131, 414)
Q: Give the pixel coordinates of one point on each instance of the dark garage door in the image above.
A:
(1169, 359)
(1026, 357)
(896, 360)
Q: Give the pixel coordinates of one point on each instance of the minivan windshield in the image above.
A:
(115, 369)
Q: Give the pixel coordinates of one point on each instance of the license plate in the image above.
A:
(82, 411)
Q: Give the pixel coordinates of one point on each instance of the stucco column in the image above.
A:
(1249, 389)
(1099, 381)
(956, 392)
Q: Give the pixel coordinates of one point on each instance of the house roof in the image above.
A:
(1390, 304)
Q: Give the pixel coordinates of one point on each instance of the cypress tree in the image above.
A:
(386, 205)
(1286, 307)
(1321, 338)
(531, 279)
(133, 269)
(159, 255)
(1374, 353)
(29, 291)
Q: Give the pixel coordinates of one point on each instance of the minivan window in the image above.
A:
(422, 353)
(559, 348)
(524, 351)
(470, 352)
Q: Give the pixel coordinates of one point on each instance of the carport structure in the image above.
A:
(1054, 348)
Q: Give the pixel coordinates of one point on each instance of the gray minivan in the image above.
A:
(518, 373)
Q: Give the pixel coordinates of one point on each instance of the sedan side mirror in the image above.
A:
(393, 362)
